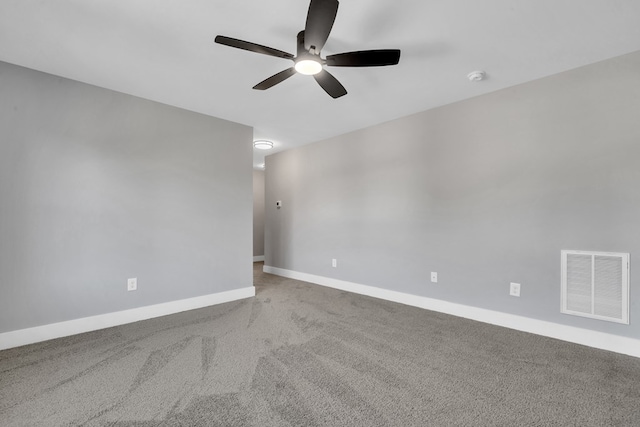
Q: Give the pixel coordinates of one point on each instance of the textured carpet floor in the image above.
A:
(304, 355)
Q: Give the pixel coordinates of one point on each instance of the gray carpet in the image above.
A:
(303, 355)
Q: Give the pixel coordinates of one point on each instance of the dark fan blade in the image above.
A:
(320, 18)
(275, 79)
(330, 84)
(253, 47)
(365, 58)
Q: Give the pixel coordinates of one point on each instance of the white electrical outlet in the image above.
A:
(132, 284)
(514, 289)
(434, 277)
(334, 263)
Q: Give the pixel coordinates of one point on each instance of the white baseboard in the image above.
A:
(258, 258)
(93, 323)
(601, 340)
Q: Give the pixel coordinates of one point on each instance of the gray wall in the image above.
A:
(97, 186)
(485, 192)
(258, 213)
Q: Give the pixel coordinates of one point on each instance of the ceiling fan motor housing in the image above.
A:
(308, 63)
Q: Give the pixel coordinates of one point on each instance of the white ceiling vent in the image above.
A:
(596, 285)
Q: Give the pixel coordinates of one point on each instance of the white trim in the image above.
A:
(93, 323)
(601, 340)
(258, 258)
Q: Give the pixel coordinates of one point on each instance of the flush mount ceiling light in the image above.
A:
(476, 76)
(263, 144)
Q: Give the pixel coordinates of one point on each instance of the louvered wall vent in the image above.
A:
(596, 285)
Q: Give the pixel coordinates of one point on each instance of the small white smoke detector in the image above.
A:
(476, 76)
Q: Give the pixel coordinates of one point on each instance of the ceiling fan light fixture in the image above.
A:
(308, 67)
(263, 144)
(310, 41)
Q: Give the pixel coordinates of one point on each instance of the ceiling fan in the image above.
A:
(320, 19)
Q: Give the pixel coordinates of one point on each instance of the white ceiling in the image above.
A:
(163, 50)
